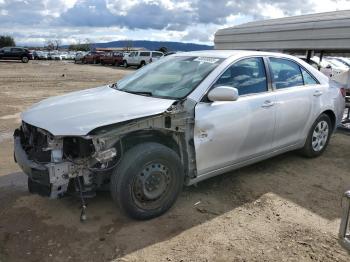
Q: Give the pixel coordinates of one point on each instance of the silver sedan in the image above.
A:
(180, 120)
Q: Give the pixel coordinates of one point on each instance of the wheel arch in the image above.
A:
(331, 116)
(167, 139)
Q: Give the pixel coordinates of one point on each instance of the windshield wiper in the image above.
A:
(146, 93)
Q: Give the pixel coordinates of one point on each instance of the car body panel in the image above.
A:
(78, 113)
(230, 132)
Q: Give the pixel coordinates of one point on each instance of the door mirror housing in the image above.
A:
(223, 93)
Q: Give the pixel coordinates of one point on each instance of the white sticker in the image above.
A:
(206, 60)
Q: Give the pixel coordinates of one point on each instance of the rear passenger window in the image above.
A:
(308, 79)
(285, 73)
(247, 75)
(16, 50)
(144, 53)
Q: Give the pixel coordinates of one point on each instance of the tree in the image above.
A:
(57, 43)
(50, 45)
(85, 46)
(6, 40)
(163, 49)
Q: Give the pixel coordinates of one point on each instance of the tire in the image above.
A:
(143, 63)
(24, 59)
(102, 62)
(148, 181)
(318, 137)
(125, 64)
(94, 62)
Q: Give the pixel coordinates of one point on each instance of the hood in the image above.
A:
(78, 113)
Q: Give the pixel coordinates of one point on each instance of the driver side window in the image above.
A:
(247, 75)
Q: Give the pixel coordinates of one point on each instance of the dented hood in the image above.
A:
(78, 113)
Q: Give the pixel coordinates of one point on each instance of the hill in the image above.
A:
(154, 45)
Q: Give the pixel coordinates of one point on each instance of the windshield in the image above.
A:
(173, 77)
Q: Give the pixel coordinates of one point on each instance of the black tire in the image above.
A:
(24, 59)
(316, 145)
(146, 169)
(94, 62)
(143, 63)
(125, 64)
(102, 62)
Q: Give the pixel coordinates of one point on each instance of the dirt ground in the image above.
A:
(283, 209)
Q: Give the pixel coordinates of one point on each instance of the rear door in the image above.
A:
(296, 94)
(230, 132)
(16, 53)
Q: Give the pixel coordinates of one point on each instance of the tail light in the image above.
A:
(343, 91)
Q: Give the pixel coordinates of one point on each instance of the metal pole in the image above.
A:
(344, 230)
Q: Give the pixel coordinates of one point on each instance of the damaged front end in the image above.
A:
(53, 163)
(57, 165)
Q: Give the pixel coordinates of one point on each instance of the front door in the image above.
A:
(227, 133)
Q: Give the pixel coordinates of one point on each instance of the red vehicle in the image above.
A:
(92, 57)
(112, 58)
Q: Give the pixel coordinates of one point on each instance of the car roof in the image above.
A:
(229, 53)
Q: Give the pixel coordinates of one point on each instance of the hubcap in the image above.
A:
(320, 136)
(151, 183)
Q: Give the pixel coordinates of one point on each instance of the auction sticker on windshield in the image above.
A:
(206, 60)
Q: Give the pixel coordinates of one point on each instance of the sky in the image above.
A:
(34, 22)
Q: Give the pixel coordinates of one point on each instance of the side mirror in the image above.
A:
(223, 93)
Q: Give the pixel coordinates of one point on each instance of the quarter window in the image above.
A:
(285, 73)
(247, 75)
(156, 54)
(308, 79)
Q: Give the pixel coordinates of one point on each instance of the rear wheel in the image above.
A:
(318, 137)
(143, 63)
(25, 59)
(148, 181)
(125, 64)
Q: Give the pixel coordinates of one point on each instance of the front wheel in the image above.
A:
(318, 137)
(148, 181)
(125, 64)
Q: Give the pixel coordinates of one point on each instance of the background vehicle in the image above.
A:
(15, 53)
(112, 58)
(141, 58)
(92, 57)
(79, 56)
(180, 120)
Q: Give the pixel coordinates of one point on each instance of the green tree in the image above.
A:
(6, 40)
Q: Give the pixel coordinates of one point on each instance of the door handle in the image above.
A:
(318, 93)
(267, 104)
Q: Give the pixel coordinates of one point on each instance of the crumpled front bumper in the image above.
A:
(44, 179)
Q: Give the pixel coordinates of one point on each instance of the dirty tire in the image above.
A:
(310, 150)
(146, 162)
(25, 59)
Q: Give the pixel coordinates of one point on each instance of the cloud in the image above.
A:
(174, 20)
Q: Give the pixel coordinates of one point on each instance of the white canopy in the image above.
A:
(324, 31)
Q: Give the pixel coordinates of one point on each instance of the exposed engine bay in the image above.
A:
(60, 165)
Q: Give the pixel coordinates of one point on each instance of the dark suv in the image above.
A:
(15, 53)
